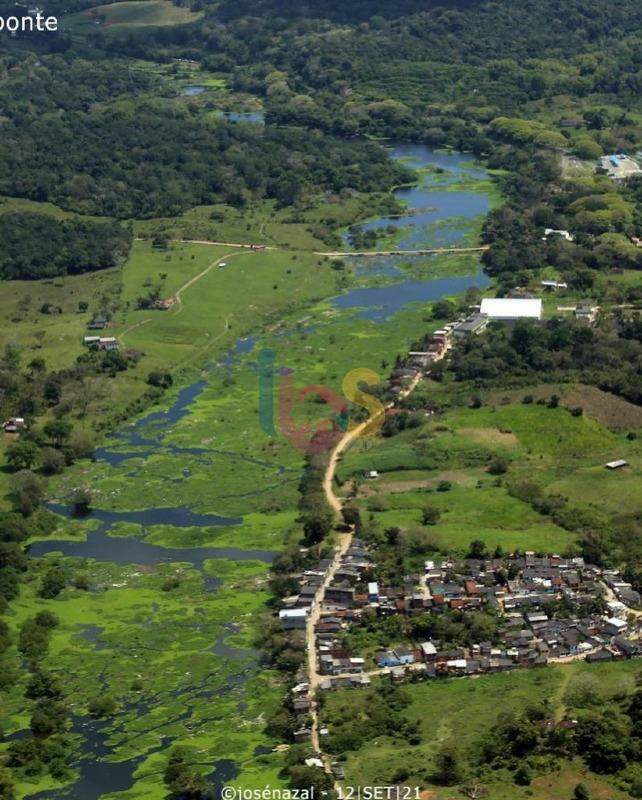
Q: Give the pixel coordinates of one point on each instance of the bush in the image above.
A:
(430, 515)
(498, 466)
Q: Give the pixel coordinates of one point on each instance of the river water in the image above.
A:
(438, 214)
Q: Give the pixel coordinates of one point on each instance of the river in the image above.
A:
(439, 212)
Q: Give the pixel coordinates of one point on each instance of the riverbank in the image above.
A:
(183, 477)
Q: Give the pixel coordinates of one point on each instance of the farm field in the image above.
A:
(463, 711)
(444, 463)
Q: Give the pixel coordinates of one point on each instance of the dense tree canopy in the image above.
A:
(40, 246)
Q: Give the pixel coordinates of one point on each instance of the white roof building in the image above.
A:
(293, 613)
(619, 624)
(428, 649)
(508, 308)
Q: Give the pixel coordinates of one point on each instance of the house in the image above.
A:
(619, 167)
(97, 324)
(585, 312)
(630, 597)
(371, 474)
(91, 341)
(429, 651)
(627, 647)
(471, 326)
(552, 285)
(562, 234)
(373, 592)
(601, 655)
(506, 309)
(395, 658)
(166, 304)
(108, 343)
(613, 626)
(293, 618)
(14, 425)
(618, 464)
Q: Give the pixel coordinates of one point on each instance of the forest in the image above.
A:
(99, 162)
(38, 246)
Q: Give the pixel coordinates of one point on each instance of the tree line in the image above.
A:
(36, 246)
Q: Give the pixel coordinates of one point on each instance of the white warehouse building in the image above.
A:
(508, 309)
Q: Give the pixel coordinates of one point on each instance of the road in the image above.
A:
(196, 278)
(344, 542)
(333, 254)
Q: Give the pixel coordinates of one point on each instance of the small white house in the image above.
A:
(14, 425)
(618, 464)
(562, 234)
(293, 618)
(372, 474)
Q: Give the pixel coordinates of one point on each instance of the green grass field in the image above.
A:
(564, 454)
(135, 14)
(462, 711)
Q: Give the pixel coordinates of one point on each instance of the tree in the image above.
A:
(162, 379)
(449, 767)
(351, 516)
(53, 461)
(53, 582)
(581, 792)
(182, 779)
(58, 430)
(80, 445)
(102, 706)
(314, 778)
(316, 526)
(43, 684)
(28, 491)
(22, 454)
(430, 515)
(7, 786)
(477, 549)
(48, 717)
(498, 466)
(81, 499)
(444, 309)
(523, 775)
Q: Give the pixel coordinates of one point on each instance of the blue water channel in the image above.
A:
(435, 216)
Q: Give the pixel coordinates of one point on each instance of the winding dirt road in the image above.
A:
(344, 542)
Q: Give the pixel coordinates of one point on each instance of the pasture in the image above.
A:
(463, 711)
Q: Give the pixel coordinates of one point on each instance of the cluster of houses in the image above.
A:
(596, 623)
(435, 345)
(101, 342)
(96, 342)
(620, 167)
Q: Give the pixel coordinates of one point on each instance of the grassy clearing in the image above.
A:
(135, 14)
(463, 710)
(563, 453)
